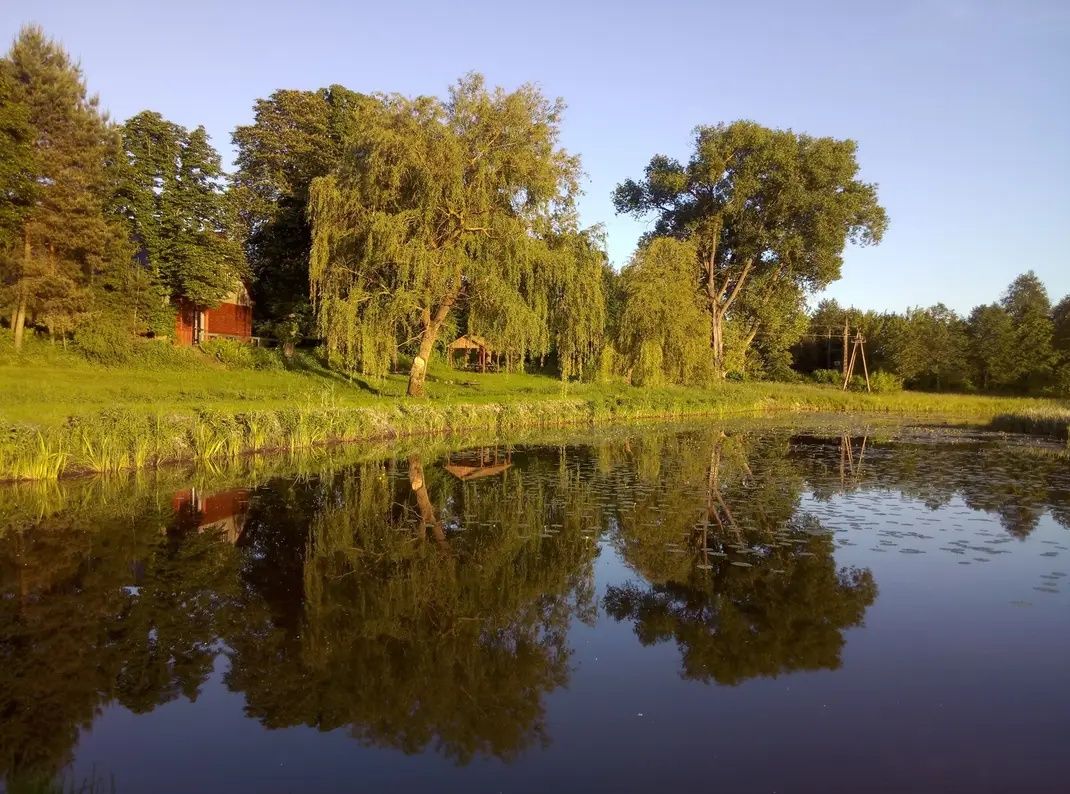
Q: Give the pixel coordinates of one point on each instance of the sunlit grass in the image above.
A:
(67, 416)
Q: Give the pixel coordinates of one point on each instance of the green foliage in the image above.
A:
(928, 347)
(577, 302)
(1060, 318)
(1061, 382)
(993, 346)
(1026, 301)
(663, 327)
(883, 382)
(296, 136)
(60, 242)
(106, 341)
(173, 200)
(230, 352)
(769, 212)
(437, 203)
(16, 158)
(827, 377)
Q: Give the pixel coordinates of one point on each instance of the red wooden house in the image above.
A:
(232, 319)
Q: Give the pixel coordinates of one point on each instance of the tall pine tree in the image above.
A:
(66, 240)
(179, 215)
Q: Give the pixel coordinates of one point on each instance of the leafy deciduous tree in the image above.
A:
(765, 208)
(1026, 301)
(992, 345)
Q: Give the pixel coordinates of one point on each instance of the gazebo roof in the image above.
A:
(469, 342)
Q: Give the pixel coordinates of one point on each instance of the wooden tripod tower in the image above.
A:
(858, 349)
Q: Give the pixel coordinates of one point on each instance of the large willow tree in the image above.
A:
(437, 204)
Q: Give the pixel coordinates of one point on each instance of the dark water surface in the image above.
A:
(730, 609)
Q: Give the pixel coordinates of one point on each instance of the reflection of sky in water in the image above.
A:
(956, 676)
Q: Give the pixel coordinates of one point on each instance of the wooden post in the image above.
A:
(850, 368)
(846, 333)
(862, 350)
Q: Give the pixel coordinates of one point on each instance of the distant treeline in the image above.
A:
(381, 226)
(1020, 343)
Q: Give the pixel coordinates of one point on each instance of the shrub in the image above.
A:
(105, 340)
(885, 382)
(230, 352)
(1061, 382)
(827, 377)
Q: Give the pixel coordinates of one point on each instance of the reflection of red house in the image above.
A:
(232, 318)
(223, 511)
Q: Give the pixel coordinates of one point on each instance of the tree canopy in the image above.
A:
(295, 137)
(765, 209)
(172, 196)
(435, 203)
(59, 237)
(664, 328)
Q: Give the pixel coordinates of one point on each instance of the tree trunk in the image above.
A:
(20, 322)
(19, 326)
(423, 501)
(717, 342)
(418, 373)
(432, 325)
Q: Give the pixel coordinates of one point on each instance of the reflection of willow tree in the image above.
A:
(98, 604)
(416, 634)
(743, 587)
(1017, 484)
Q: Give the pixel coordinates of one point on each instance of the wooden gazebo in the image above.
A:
(467, 344)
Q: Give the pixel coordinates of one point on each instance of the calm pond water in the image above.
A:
(740, 608)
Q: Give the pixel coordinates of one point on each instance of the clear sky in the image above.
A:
(961, 109)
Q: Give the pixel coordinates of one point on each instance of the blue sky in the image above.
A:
(961, 109)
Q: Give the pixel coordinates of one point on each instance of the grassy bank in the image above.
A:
(64, 415)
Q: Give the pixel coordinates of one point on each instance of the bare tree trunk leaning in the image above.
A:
(717, 342)
(19, 324)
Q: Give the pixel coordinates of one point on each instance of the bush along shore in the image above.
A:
(126, 438)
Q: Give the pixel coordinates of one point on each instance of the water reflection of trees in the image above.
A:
(100, 605)
(415, 632)
(1018, 484)
(405, 605)
(731, 574)
(415, 609)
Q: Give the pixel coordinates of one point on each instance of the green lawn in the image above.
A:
(46, 390)
(49, 385)
(66, 415)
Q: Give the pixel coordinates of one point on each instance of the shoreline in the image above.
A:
(123, 439)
